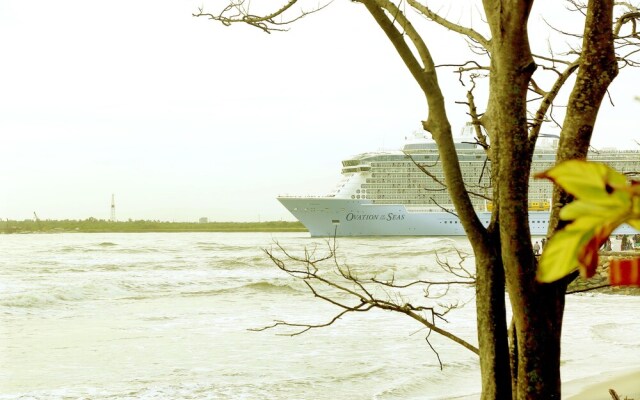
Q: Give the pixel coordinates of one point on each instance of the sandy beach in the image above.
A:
(626, 383)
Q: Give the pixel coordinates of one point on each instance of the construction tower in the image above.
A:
(113, 208)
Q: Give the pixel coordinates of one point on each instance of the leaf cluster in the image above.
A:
(604, 200)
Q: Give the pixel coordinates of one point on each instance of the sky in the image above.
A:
(181, 118)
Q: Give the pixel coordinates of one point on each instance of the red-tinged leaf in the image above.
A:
(588, 258)
(624, 272)
(588, 254)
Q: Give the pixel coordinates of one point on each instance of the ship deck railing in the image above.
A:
(306, 196)
(411, 209)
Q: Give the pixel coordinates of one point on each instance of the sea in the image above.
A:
(177, 316)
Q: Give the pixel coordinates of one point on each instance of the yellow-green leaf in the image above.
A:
(579, 208)
(635, 223)
(559, 257)
(604, 200)
(596, 182)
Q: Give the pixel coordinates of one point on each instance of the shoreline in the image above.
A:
(625, 382)
(93, 225)
(238, 230)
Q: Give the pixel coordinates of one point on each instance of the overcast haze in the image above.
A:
(183, 118)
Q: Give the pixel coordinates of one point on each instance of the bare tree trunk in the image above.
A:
(597, 69)
(491, 321)
(537, 310)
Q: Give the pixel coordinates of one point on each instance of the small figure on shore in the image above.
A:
(536, 248)
(624, 243)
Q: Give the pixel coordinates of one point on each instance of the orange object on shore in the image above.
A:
(624, 272)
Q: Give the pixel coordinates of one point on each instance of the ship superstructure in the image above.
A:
(403, 193)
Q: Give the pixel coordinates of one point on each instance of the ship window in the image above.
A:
(353, 197)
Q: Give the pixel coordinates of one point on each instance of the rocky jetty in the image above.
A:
(600, 281)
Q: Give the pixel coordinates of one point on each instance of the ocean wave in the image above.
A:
(119, 250)
(232, 262)
(37, 300)
(110, 247)
(140, 390)
(429, 376)
(363, 371)
(289, 287)
(227, 248)
(617, 333)
(44, 297)
(444, 251)
(68, 249)
(272, 287)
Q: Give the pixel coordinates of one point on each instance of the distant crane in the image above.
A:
(113, 208)
(37, 220)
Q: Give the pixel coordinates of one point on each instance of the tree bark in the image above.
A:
(491, 321)
(537, 311)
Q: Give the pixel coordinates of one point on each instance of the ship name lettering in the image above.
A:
(364, 217)
(374, 217)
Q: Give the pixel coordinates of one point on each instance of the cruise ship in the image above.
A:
(402, 193)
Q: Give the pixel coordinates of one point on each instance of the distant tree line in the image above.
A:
(93, 225)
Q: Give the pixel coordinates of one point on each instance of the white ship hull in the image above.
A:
(328, 217)
(343, 217)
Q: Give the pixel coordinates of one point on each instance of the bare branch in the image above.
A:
(237, 11)
(387, 14)
(360, 290)
(589, 289)
(630, 17)
(422, 168)
(547, 101)
(470, 33)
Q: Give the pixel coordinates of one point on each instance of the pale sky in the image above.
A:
(183, 118)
